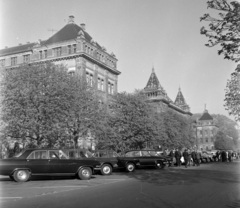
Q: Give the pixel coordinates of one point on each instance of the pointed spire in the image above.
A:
(180, 100)
(153, 70)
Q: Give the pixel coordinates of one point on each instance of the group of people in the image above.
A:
(187, 156)
(226, 156)
(194, 157)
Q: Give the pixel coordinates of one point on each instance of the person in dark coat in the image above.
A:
(194, 157)
(186, 157)
(178, 156)
(198, 156)
(171, 154)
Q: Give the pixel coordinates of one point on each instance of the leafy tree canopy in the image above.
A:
(224, 29)
(232, 95)
(45, 106)
(223, 142)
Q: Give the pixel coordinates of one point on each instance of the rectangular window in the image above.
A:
(89, 77)
(41, 54)
(74, 48)
(45, 53)
(206, 139)
(13, 61)
(26, 58)
(110, 88)
(99, 83)
(57, 51)
(2, 62)
(69, 49)
(102, 85)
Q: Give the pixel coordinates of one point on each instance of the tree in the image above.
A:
(178, 130)
(45, 106)
(129, 123)
(223, 142)
(224, 30)
(232, 95)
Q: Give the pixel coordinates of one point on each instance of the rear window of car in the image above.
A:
(38, 155)
(145, 153)
(133, 154)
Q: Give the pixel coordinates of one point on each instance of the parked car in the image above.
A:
(47, 162)
(206, 157)
(139, 158)
(168, 158)
(108, 160)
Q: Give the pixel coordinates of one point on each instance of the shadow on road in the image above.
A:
(179, 176)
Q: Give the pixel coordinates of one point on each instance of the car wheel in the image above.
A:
(21, 175)
(106, 169)
(159, 165)
(85, 173)
(130, 167)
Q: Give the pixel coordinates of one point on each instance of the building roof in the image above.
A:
(17, 49)
(68, 32)
(206, 116)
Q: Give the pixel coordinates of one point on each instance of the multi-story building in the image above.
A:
(206, 129)
(73, 47)
(158, 97)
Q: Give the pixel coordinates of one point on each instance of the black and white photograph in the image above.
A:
(120, 103)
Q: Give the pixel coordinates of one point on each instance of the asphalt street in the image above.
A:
(210, 185)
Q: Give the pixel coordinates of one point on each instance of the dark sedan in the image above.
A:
(107, 158)
(139, 158)
(42, 162)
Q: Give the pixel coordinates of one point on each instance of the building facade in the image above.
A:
(158, 97)
(206, 129)
(73, 47)
(77, 50)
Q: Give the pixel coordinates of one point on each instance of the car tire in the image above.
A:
(85, 173)
(21, 175)
(106, 169)
(159, 165)
(130, 167)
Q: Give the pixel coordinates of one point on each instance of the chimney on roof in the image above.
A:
(28, 42)
(83, 26)
(71, 19)
(6, 47)
(20, 44)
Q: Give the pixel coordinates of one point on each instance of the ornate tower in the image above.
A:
(158, 97)
(180, 101)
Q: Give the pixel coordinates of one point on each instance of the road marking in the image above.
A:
(10, 197)
(81, 186)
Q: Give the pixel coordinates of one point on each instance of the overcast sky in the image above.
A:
(142, 34)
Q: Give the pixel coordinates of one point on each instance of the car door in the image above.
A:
(146, 159)
(59, 164)
(37, 162)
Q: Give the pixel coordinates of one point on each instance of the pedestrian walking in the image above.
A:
(171, 154)
(178, 156)
(189, 157)
(198, 156)
(229, 156)
(194, 157)
(185, 156)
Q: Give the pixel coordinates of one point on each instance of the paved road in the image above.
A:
(210, 185)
